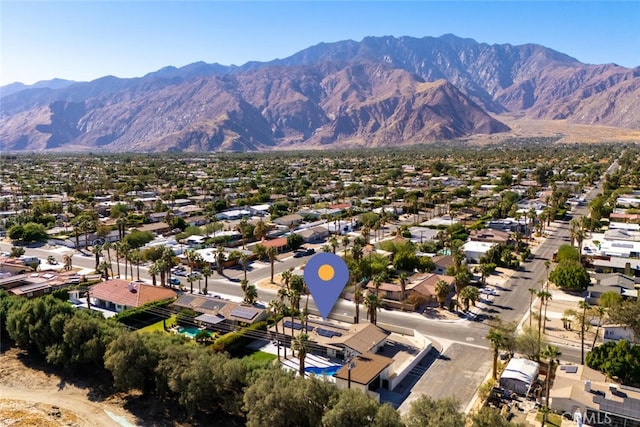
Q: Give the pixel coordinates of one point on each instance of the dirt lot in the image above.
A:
(30, 397)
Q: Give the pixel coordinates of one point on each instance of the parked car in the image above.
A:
(174, 281)
(303, 252)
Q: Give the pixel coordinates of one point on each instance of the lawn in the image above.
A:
(552, 419)
(159, 326)
(261, 356)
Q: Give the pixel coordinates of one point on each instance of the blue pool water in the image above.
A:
(327, 370)
(190, 331)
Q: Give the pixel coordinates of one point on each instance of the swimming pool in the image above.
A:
(326, 370)
(190, 331)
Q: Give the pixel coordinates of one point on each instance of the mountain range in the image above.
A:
(381, 91)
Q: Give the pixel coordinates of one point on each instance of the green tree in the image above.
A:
(570, 276)
(626, 313)
(294, 241)
(490, 417)
(426, 412)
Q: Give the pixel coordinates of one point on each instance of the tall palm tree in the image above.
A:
(469, 294)
(125, 251)
(585, 306)
(97, 251)
(543, 296)
(373, 304)
(272, 253)
(244, 262)
(107, 247)
(532, 292)
(67, 262)
(333, 241)
(117, 246)
(403, 285)
(103, 268)
(498, 341)
(599, 311)
(357, 299)
(275, 309)
(153, 272)
(206, 273)
(192, 278)
(551, 353)
(250, 294)
(136, 258)
(301, 344)
(377, 281)
(345, 244)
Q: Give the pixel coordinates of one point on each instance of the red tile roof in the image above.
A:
(129, 294)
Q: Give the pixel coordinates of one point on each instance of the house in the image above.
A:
(489, 235)
(616, 282)
(519, 375)
(474, 250)
(442, 263)
(422, 234)
(426, 287)
(314, 234)
(289, 220)
(220, 314)
(612, 332)
(598, 400)
(156, 228)
(279, 243)
(117, 295)
(39, 283)
(367, 372)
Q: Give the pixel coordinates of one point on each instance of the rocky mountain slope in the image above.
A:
(381, 91)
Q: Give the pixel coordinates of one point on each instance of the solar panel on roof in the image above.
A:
(244, 313)
(185, 300)
(210, 304)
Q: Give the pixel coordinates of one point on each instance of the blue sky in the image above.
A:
(84, 40)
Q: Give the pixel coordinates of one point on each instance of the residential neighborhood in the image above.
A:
(524, 266)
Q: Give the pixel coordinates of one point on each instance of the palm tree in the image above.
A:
(377, 281)
(192, 278)
(275, 308)
(117, 246)
(403, 285)
(532, 292)
(345, 244)
(272, 253)
(220, 258)
(97, 251)
(498, 341)
(442, 291)
(600, 312)
(551, 353)
(373, 304)
(107, 247)
(543, 295)
(333, 241)
(546, 304)
(250, 294)
(136, 258)
(244, 262)
(260, 230)
(103, 268)
(67, 262)
(301, 344)
(583, 327)
(357, 299)
(469, 294)
(124, 251)
(153, 272)
(206, 272)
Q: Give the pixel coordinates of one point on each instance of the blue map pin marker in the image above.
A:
(326, 275)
